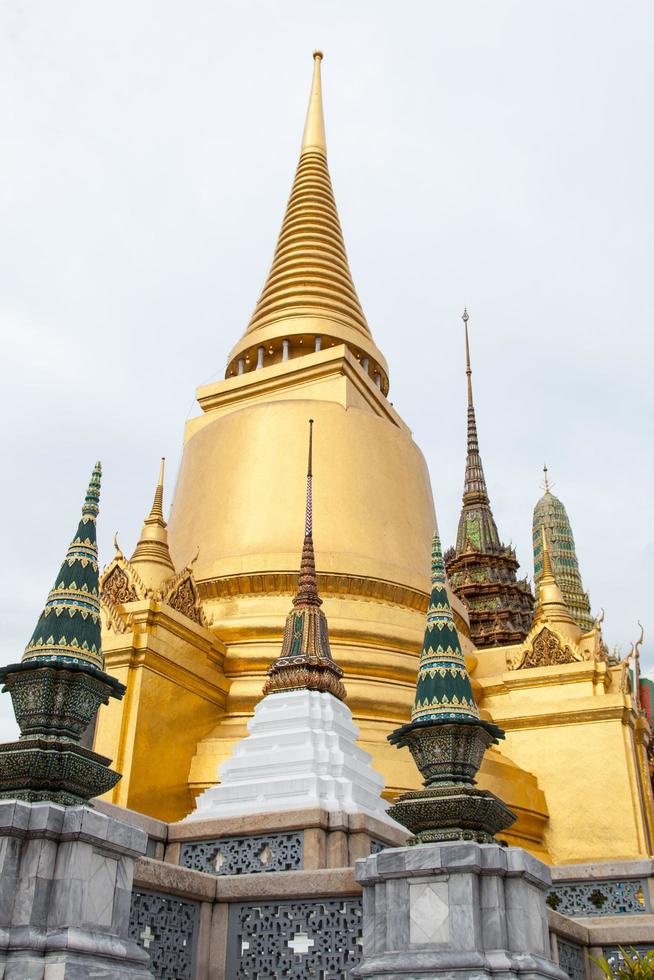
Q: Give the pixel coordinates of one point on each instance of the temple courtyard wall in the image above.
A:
(279, 895)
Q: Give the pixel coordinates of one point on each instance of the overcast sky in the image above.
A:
(497, 154)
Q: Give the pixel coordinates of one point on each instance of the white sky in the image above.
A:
(498, 154)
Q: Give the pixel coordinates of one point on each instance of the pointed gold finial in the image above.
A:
(314, 128)
(157, 503)
(151, 555)
(551, 605)
(547, 562)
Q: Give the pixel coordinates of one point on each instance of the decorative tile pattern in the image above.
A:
(245, 855)
(166, 927)
(617, 897)
(571, 959)
(294, 940)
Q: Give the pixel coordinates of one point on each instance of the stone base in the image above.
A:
(301, 752)
(468, 910)
(65, 894)
(451, 812)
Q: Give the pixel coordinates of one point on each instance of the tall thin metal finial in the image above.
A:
(547, 486)
(465, 319)
(308, 524)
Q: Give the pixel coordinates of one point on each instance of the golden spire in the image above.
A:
(314, 128)
(551, 607)
(151, 555)
(309, 294)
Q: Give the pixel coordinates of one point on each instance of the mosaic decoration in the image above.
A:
(482, 570)
(571, 959)
(245, 855)
(294, 940)
(305, 661)
(550, 513)
(446, 737)
(167, 929)
(583, 898)
(69, 626)
(443, 690)
(60, 683)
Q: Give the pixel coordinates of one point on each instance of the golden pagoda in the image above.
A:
(307, 352)
(194, 619)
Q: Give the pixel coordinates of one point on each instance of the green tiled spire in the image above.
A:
(68, 630)
(551, 514)
(443, 690)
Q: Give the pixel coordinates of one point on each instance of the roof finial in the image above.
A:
(306, 661)
(307, 593)
(465, 319)
(547, 486)
(157, 503)
(314, 128)
(151, 554)
(547, 561)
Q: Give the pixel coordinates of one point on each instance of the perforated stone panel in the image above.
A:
(166, 927)
(294, 940)
(245, 855)
(571, 959)
(618, 897)
(614, 957)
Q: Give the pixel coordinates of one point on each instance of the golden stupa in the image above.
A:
(194, 619)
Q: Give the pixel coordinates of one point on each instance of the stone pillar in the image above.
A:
(65, 894)
(457, 909)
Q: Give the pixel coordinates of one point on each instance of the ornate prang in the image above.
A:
(58, 687)
(305, 661)
(482, 570)
(447, 738)
(549, 513)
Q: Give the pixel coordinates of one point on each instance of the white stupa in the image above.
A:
(301, 750)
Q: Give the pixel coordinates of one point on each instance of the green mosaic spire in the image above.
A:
(551, 514)
(68, 630)
(443, 690)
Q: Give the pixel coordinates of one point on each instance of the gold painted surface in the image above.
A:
(572, 726)
(239, 498)
(176, 688)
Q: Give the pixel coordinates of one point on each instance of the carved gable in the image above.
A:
(116, 587)
(546, 650)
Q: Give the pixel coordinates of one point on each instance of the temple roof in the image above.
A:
(68, 630)
(551, 514)
(309, 291)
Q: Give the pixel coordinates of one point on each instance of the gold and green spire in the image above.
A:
(549, 513)
(306, 661)
(309, 301)
(443, 689)
(68, 630)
